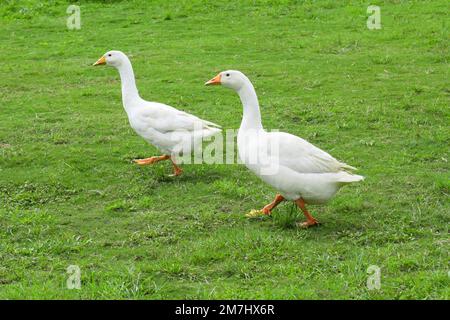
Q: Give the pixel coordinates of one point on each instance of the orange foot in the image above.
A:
(308, 224)
(176, 171)
(310, 220)
(267, 210)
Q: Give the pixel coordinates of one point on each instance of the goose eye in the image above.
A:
(227, 74)
(109, 55)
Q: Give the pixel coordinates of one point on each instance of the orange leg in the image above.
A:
(268, 208)
(310, 221)
(151, 160)
(176, 169)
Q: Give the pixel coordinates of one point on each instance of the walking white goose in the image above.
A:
(172, 131)
(300, 171)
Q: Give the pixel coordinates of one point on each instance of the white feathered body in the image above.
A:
(172, 131)
(293, 166)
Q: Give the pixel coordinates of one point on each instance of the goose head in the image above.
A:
(232, 79)
(112, 58)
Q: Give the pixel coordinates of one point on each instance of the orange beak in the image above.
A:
(214, 81)
(100, 61)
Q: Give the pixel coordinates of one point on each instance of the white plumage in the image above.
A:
(300, 170)
(172, 131)
(297, 169)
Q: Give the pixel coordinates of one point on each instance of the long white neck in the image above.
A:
(129, 90)
(251, 118)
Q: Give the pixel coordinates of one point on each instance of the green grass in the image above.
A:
(378, 100)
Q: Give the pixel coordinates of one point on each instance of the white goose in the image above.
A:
(300, 171)
(172, 131)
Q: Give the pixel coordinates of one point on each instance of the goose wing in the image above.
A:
(164, 118)
(303, 157)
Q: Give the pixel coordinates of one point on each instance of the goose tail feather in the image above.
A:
(345, 178)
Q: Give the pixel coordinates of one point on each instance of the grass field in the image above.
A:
(70, 195)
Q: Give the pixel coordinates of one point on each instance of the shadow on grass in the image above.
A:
(286, 217)
(191, 173)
